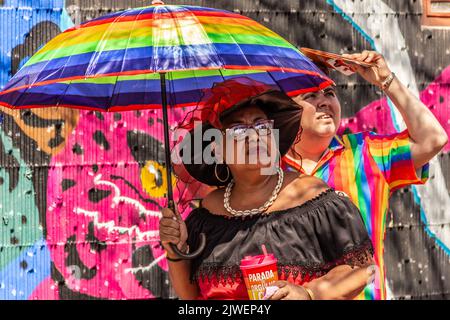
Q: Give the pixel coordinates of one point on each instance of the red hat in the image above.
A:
(224, 98)
(221, 98)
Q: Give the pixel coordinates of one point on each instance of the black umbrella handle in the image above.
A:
(181, 255)
(193, 255)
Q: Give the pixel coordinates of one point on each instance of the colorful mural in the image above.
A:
(81, 191)
(108, 190)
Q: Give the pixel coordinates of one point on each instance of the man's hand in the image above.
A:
(427, 135)
(375, 75)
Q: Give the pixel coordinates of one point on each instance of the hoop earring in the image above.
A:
(280, 160)
(217, 176)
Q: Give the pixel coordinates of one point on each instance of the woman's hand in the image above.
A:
(289, 291)
(375, 75)
(172, 229)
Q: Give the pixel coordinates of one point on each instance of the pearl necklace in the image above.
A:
(251, 212)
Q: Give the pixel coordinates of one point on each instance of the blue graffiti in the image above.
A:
(20, 278)
(23, 15)
(22, 275)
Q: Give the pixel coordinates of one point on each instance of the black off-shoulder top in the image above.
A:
(308, 240)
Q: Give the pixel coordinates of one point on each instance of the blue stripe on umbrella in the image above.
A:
(144, 92)
(118, 66)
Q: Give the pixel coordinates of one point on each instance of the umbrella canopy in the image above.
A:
(155, 57)
(113, 63)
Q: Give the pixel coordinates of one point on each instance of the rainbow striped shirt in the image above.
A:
(368, 168)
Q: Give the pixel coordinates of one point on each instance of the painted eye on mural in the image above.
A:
(144, 147)
(149, 154)
(154, 180)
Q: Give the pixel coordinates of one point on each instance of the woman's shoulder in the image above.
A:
(310, 182)
(302, 188)
(299, 179)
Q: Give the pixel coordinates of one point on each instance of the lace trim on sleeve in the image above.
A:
(358, 255)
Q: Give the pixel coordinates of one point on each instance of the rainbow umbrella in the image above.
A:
(155, 57)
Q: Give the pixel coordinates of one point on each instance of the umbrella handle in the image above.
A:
(193, 255)
(181, 255)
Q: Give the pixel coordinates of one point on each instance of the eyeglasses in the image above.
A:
(239, 131)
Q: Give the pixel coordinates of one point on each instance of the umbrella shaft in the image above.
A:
(166, 140)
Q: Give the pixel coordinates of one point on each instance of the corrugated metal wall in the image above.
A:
(39, 258)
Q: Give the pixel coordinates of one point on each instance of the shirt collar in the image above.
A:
(336, 144)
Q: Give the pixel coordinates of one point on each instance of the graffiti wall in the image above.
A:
(81, 191)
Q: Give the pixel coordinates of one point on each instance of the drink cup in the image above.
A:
(259, 272)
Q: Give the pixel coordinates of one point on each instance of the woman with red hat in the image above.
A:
(317, 235)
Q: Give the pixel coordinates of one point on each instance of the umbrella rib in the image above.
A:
(50, 60)
(211, 44)
(179, 34)
(275, 81)
(68, 85)
(29, 86)
(123, 60)
(101, 43)
(221, 74)
(238, 45)
(155, 39)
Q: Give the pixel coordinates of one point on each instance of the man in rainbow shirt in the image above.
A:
(366, 166)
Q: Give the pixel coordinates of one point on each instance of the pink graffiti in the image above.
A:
(46, 290)
(377, 114)
(99, 213)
